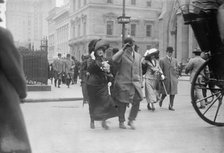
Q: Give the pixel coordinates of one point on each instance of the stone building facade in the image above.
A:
(154, 23)
(94, 19)
(26, 19)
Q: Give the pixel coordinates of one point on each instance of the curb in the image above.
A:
(51, 100)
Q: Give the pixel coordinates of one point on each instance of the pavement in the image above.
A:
(64, 93)
(63, 127)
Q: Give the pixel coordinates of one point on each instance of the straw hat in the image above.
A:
(151, 52)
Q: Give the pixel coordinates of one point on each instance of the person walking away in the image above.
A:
(13, 134)
(192, 66)
(101, 105)
(76, 70)
(152, 76)
(128, 82)
(58, 70)
(50, 72)
(83, 77)
(169, 66)
(69, 66)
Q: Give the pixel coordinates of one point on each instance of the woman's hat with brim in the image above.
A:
(151, 52)
(102, 44)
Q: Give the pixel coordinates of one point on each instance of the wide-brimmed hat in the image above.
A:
(102, 44)
(169, 49)
(151, 52)
(197, 51)
(92, 44)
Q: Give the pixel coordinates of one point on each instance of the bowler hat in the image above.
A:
(169, 49)
(129, 40)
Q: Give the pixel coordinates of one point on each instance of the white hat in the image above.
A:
(151, 51)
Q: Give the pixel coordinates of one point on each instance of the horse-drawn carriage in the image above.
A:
(209, 78)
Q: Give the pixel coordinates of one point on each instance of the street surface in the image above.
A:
(63, 127)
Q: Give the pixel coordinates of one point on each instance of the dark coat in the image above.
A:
(170, 70)
(101, 104)
(13, 135)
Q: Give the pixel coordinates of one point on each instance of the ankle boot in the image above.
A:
(131, 124)
(92, 125)
(121, 125)
(104, 125)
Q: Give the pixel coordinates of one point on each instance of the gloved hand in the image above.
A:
(162, 77)
(92, 56)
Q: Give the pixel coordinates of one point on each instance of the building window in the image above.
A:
(74, 3)
(133, 29)
(133, 2)
(149, 3)
(79, 28)
(110, 27)
(109, 1)
(148, 30)
(84, 28)
(79, 4)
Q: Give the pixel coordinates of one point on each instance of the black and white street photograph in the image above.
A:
(111, 76)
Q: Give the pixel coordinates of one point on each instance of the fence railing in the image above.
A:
(35, 64)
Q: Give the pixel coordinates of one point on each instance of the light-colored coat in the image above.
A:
(128, 78)
(58, 65)
(12, 90)
(170, 70)
(193, 65)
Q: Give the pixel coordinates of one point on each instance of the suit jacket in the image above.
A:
(193, 65)
(59, 65)
(128, 78)
(170, 70)
(12, 90)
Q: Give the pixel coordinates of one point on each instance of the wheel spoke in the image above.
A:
(211, 105)
(220, 103)
(213, 94)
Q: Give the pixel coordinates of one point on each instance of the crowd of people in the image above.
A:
(64, 70)
(110, 85)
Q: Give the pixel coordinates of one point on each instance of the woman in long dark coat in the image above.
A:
(101, 105)
(13, 135)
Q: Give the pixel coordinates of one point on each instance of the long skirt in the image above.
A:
(151, 90)
(101, 104)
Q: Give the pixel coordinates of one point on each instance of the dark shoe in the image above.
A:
(160, 103)
(131, 124)
(171, 108)
(92, 125)
(148, 106)
(153, 109)
(122, 126)
(201, 107)
(104, 125)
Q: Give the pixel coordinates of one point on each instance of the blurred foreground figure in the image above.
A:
(13, 135)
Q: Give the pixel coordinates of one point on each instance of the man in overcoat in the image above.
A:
(58, 67)
(169, 66)
(192, 66)
(69, 69)
(13, 135)
(128, 82)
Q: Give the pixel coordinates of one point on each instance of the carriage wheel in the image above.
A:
(207, 92)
